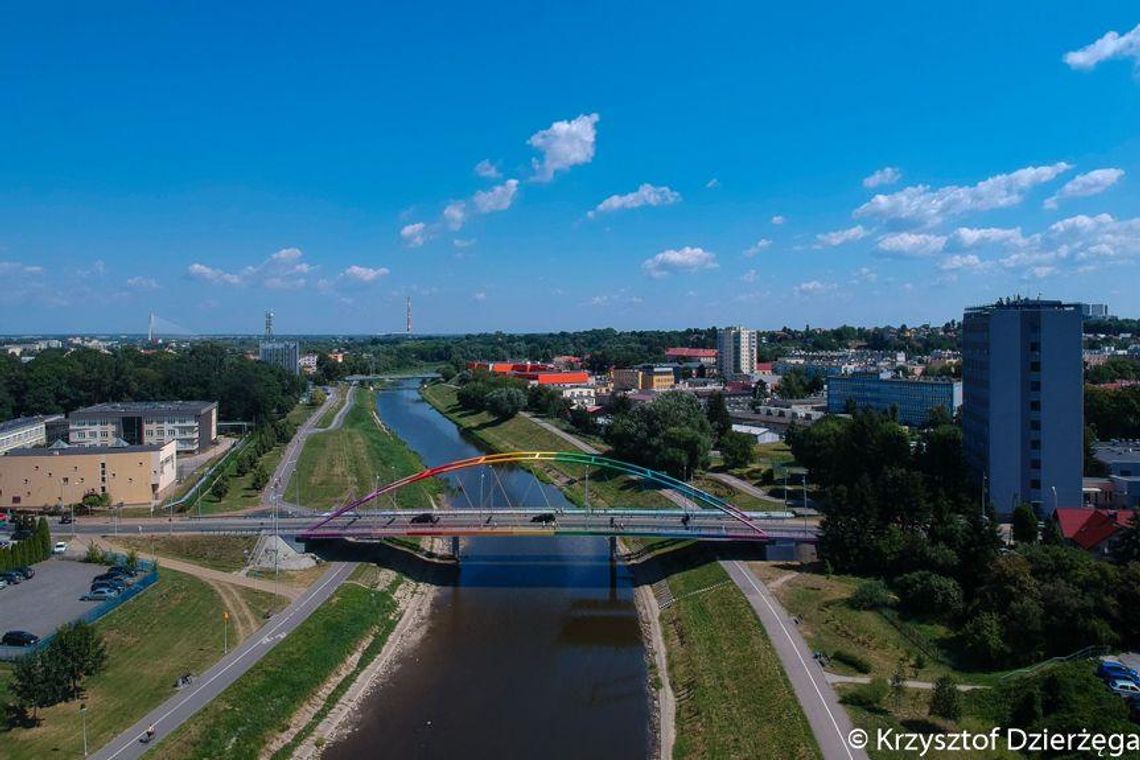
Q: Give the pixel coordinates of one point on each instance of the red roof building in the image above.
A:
(703, 355)
(555, 378)
(1091, 529)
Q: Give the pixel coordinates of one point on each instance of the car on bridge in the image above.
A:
(546, 518)
(425, 518)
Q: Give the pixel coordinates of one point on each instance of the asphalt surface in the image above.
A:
(702, 524)
(279, 483)
(206, 686)
(49, 599)
(828, 720)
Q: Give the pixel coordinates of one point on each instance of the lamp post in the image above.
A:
(83, 716)
(225, 632)
(1054, 490)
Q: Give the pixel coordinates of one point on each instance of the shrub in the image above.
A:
(946, 701)
(870, 595)
(852, 660)
(925, 593)
(868, 696)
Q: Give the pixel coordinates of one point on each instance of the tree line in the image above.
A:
(60, 381)
(56, 673)
(35, 546)
(899, 509)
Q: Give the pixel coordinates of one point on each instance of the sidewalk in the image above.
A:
(829, 721)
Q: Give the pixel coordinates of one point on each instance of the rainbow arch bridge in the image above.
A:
(699, 515)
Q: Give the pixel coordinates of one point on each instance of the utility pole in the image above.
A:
(83, 715)
(408, 325)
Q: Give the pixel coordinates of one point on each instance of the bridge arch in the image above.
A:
(566, 457)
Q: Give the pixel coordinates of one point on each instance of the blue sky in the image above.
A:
(555, 166)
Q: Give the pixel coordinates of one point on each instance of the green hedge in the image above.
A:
(35, 548)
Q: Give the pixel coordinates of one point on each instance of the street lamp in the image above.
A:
(83, 715)
(1054, 490)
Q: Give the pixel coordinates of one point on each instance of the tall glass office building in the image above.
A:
(1022, 413)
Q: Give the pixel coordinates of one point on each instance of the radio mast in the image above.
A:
(408, 327)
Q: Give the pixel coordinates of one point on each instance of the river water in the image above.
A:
(534, 653)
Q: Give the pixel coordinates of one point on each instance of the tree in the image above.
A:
(717, 412)
(870, 595)
(1024, 524)
(317, 397)
(1126, 549)
(671, 433)
(132, 562)
(34, 684)
(260, 477)
(737, 449)
(926, 593)
(946, 701)
(220, 488)
(898, 683)
(984, 640)
(505, 403)
(77, 651)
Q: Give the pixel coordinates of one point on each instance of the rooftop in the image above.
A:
(55, 451)
(1119, 451)
(147, 407)
(1023, 304)
(24, 422)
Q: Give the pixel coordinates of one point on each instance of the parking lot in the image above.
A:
(48, 600)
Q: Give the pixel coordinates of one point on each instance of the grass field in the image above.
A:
(180, 615)
(248, 714)
(328, 417)
(522, 434)
(225, 553)
(733, 699)
(349, 462)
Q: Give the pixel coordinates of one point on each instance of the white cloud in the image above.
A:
(498, 198)
(687, 259)
(1040, 272)
(463, 242)
(839, 237)
(960, 261)
(564, 144)
(645, 195)
(455, 214)
(210, 274)
(16, 267)
(713, 183)
(749, 276)
(969, 237)
(911, 244)
(865, 275)
(778, 220)
(756, 247)
(364, 274)
(480, 295)
(888, 175)
(414, 235)
(1111, 45)
(1083, 185)
(813, 288)
(1081, 223)
(921, 204)
(487, 170)
(142, 283)
(284, 270)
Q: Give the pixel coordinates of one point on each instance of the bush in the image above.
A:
(852, 660)
(946, 701)
(95, 555)
(737, 449)
(869, 696)
(505, 403)
(924, 593)
(871, 595)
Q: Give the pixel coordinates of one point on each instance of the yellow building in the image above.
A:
(62, 474)
(657, 379)
(626, 379)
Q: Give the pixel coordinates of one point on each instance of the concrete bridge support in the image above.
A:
(455, 547)
(613, 549)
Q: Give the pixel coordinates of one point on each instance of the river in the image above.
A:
(534, 653)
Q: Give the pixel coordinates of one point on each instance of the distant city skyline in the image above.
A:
(563, 168)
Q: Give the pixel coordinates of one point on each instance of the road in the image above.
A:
(746, 487)
(829, 721)
(279, 483)
(573, 440)
(705, 524)
(184, 704)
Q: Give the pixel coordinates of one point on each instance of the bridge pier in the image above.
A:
(613, 549)
(455, 547)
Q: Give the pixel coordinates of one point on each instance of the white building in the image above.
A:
(581, 396)
(24, 432)
(736, 351)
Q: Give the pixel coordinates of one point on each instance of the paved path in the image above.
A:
(573, 440)
(210, 574)
(183, 705)
(925, 685)
(746, 487)
(279, 482)
(829, 721)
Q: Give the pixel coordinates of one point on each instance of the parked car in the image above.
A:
(59, 548)
(1111, 669)
(3, 583)
(121, 571)
(116, 585)
(12, 577)
(1124, 687)
(19, 639)
(110, 576)
(25, 571)
(101, 594)
(66, 520)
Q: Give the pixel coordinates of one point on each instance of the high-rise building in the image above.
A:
(912, 399)
(736, 351)
(1022, 410)
(280, 353)
(1094, 310)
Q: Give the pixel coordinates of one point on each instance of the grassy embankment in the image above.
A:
(225, 553)
(340, 464)
(338, 402)
(522, 434)
(171, 628)
(735, 700)
(251, 712)
(242, 494)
